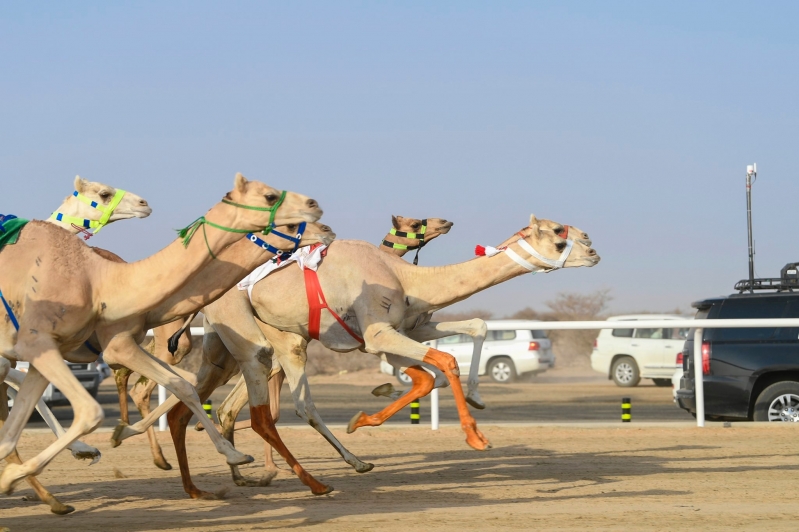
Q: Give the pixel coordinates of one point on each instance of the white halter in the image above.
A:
(554, 264)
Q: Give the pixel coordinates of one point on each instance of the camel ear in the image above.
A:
(240, 183)
(395, 221)
(80, 184)
(533, 220)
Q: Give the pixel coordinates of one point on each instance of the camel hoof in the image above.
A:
(62, 509)
(355, 422)
(199, 427)
(161, 463)
(203, 495)
(240, 460)
(81, 451)
(122, 432)
(384, 390)
(475, 401)
(364, 467)
(324, 491)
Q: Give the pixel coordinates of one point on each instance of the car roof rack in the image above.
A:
(787, 281)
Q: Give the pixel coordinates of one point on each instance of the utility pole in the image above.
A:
(751, 177)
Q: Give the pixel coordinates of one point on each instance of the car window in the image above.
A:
(746, 308)
(676, 333)
(652, 334)
(540, 335)
(456, 339)
(500, 335)
(789, 334)
(623, 333)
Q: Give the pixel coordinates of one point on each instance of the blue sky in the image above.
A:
(631, 120)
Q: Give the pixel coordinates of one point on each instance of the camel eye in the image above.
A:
(558, 230)
(560, 246)
(415, 226)
(292, 227)
(104, 195)
(270, 198)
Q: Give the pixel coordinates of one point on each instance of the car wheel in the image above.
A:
(662, 382)
(778, 402)
(403, 377)
(625, 372)
(501, 370)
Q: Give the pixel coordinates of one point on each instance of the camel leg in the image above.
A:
(209, 377)
(475, 328)
(123, 350)
(141, 393)
(382, 338)
(56, 506)
(274, 385)
(121, 377)
(79, 450)
(46, 364)
(227, 412)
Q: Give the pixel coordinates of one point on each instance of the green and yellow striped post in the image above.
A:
(415, 412)
(207, 405)
(626, 410)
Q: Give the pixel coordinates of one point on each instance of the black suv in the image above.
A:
(749, 373)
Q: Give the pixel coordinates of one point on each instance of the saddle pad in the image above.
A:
(306, 257)
(10, 227)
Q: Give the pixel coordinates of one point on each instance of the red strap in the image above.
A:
(316, 302)
(565, 232)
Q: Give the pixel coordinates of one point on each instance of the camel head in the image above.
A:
(289, 237)
(261, 205)
(426, 229)
(544, 237)
(129, 206)
(565, 231)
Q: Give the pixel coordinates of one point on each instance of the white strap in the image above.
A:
(520, 261)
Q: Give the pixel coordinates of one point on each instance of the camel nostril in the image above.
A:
(312, 204)
(143, 203)
(592, 252)
(326, 228)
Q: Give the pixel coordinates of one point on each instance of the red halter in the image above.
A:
(316, 302)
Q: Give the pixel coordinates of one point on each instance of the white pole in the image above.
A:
(699, 381)
(434, 409)
(161, 399)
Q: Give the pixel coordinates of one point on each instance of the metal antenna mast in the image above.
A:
(751, 177)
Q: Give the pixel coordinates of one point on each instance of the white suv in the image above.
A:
(629, 355)
(511, 348)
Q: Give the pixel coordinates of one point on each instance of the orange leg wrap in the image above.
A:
(422, 385)
(262, 423)
(446, 363)
(178, 419)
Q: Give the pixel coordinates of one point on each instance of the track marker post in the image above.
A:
(415, 412)
(626, 410)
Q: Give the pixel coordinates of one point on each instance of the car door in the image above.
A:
(673, 342)
(649, 353)
(460, 346)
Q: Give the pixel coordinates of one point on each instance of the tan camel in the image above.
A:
(378, 296)
(92, 205)
(60, 291)
(287, 239)
(407, 234)
(285, 342)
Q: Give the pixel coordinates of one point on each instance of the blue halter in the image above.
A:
(279, 254)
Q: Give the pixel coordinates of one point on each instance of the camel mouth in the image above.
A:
(311, 216)
(327, 238)
(585, 242)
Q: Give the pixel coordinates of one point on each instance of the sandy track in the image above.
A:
(633, 478)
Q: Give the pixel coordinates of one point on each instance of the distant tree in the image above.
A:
(574, 347)
(526, 313)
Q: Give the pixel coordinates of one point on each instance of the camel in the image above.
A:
(285, 342)
(60, 291)
(381, 299)
(92, 205)
(282, 237)
(405, 235)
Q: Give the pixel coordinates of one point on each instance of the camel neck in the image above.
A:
(71, 208)
(128, 289)
(232, 265)
(429, 289)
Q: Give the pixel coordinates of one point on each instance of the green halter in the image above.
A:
(188, 232)
(402, 234)
(107, 211)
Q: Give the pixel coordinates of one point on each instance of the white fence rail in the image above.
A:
(699, 325)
